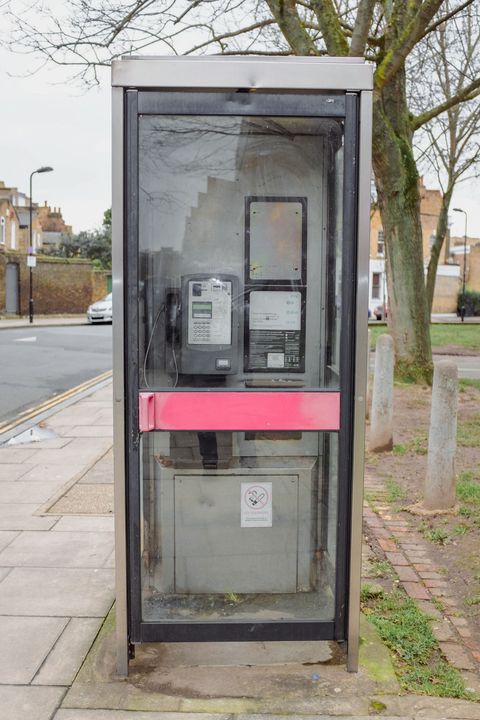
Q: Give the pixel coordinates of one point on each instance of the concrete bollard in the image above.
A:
(442, 439)
(381, 413)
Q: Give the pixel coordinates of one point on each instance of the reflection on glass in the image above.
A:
(238, 526)
(240, 219)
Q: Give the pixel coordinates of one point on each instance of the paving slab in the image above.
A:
(58, 550)
(110, 561)
(87, 431)
(101, 472)
(56, 592)
(29, 703)
(52, 444)
(28, 492)
(78, 414)
(6, 537)
(105, 416)
(84, 523)
(12, 471)
(16, 455)
(66, 657)
(104, 394)
(60, 474)
(77, 451)
(19, 516)
(4, 572)
(26, 642)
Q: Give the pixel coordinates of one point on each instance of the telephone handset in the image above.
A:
(202, 324)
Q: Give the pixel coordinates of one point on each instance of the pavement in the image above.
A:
(57, 592)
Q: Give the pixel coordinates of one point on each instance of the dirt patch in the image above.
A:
(453, 540)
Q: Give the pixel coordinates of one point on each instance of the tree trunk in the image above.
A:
(441, 231)
(399, 203)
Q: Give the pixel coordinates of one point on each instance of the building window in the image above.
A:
(380, 243)
(13, 235)
(376, 285)
(2, 230)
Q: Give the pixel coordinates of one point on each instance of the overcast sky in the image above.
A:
(45, 119)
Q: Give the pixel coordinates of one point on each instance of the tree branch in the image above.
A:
(290, 24)
(469, 92)
(409, 36)
(329, 22)
(227, 35)
(361, 27)
(444, 18)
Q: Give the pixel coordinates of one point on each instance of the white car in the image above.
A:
(100, 311)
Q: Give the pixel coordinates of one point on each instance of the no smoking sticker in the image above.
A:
(256, 504)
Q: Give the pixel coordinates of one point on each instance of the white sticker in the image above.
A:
(256, 504)
(275, 360)
(275, 310)
(31, 261)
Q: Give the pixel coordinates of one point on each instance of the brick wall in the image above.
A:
(99, 284)
(59, 286)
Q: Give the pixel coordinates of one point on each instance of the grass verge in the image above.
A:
(467, 336)
(406, 631)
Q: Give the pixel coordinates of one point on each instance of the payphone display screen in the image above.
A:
(238, 235)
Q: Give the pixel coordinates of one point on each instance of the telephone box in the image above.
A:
(241, 239)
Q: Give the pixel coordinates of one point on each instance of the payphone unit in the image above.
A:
(202, 324)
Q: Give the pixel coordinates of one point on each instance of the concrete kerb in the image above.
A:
(44, 321)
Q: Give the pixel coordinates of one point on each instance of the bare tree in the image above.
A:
(383, 31)
(449, 143)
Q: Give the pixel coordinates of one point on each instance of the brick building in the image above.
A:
(53, 225)
(450, 268)
(59, 286)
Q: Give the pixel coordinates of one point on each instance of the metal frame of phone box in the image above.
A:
(311, 87)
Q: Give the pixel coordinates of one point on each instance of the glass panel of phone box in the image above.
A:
(240, 289)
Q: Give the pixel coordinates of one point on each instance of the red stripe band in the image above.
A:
(239, 411)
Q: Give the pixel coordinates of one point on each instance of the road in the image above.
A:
(468, 365)
(39, 363)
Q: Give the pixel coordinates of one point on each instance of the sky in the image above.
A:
(46, 119)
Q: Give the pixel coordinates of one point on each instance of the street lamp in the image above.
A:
(42, 169)
(462, 306)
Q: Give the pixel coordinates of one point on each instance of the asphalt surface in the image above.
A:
(468, 365)
(41, 362)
